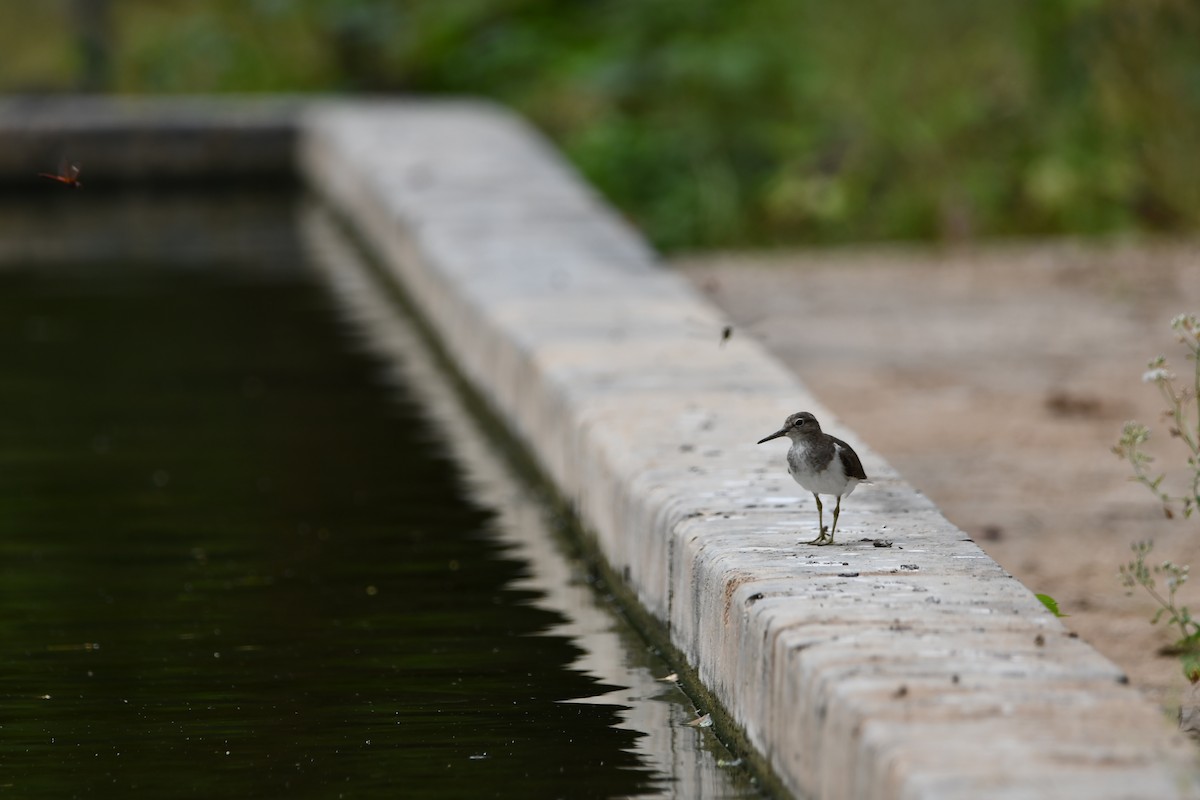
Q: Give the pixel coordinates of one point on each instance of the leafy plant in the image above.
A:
(1051, 605)
(718, 124)
(1139, 573)
(1183, 415)
(1180, 399)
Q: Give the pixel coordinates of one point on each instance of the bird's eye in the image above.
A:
(799, 422)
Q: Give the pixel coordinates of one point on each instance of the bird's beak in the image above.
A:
(775, 435)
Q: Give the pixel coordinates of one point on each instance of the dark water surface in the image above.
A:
(236, 560)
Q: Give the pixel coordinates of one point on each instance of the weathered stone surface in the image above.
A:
(139, 139)
(920, 670)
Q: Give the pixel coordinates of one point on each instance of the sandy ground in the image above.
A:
(996, 380)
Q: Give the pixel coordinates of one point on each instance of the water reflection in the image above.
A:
(693, 764)
(236, 559)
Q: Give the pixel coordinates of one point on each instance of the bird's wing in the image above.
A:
(850, 461)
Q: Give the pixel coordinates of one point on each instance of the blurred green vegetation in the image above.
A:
(721, 124)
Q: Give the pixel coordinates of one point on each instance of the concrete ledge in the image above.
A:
(917, 671)
(149, 140)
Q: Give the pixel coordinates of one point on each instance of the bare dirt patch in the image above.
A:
(996, 380)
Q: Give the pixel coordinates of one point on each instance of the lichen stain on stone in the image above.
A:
(731, 586)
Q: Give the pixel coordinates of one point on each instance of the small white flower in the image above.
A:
(1186, 325)
(1184, 321)
(1156, 375)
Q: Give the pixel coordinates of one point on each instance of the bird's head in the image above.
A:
(798, 426)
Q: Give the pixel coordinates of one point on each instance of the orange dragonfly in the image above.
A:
(67, 174)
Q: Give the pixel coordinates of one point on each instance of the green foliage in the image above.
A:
(722, 124)
(1139, 573)
(1051, 605)
(1183, 415)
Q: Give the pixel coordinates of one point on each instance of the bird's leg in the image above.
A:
(837, 509)
(820, 521)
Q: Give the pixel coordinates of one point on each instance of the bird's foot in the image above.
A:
(823, 539)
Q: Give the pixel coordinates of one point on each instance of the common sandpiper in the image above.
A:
(822, 464)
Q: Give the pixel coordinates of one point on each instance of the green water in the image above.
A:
(236, 561)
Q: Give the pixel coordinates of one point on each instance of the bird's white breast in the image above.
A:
(831, 480)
